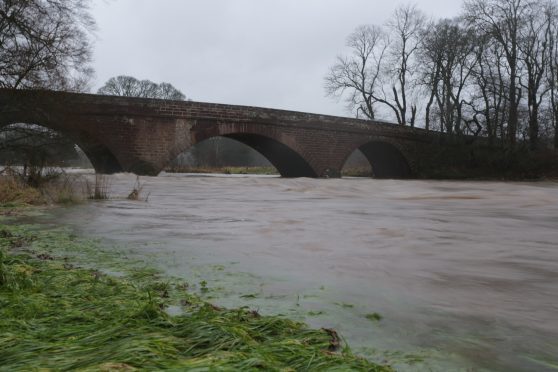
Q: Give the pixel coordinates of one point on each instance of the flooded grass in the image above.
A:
(59, 311)
(375, 317)
(14, 192)
(61, 188)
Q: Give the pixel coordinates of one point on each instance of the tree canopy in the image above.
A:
(490, 71)
(129, 86)
(45, 44)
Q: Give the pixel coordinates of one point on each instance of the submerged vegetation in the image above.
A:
(55, 314)
(60, 188)
(14, 192)
(98, 189)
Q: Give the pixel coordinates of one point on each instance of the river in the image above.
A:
(463, 275)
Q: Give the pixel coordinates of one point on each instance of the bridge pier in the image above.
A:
(101, 158)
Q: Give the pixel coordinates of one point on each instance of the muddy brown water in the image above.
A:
(463, 274)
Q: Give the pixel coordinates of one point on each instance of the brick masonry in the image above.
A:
(143, 135)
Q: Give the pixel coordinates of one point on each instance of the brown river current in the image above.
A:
(463, 274)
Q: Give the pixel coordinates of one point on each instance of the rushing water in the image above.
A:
(463, 274)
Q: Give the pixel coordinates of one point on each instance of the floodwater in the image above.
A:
(463, 274)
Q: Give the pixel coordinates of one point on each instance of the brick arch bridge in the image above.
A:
(143, 135)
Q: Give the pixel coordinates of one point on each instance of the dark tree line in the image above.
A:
(491, 71)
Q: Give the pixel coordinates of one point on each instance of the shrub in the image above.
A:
(14, 191)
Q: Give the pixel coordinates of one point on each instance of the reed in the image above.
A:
(99, 189)
(137, 191)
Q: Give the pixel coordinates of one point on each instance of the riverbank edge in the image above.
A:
(59, 310)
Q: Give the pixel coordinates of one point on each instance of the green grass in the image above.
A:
(345, 305)
(357, 172)
(375, 317)
(56, 315)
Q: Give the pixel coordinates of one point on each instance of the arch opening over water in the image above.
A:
(383, 159)
(48, 146)
(357, 165)
(221, 155)
(288, 162)
(261, 153)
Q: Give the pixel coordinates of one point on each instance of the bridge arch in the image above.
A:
(102, 159)
(387, 160)
(289, 162)
(220, 152)
(99, 155)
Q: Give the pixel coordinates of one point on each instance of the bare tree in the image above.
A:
(379, 70)
(492, 71)
(119, 86)
(167, 91)
(129, 86)
(430, 58)
(406, 27)
(503, 20)
(447, 60)
(45, 44)
(359, 75)
(551, 14)
(534, 47)
(489, 91)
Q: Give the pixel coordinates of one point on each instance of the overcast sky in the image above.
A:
(270, 53)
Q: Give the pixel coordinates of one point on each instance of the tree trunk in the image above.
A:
(427, 117)
(513, 115)
(534, 125)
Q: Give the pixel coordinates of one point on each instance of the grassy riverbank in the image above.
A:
(67, 304)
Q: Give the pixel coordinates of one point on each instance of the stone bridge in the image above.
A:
(122, 134)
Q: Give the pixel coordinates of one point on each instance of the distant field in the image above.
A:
(224, 170)
(347, 172)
